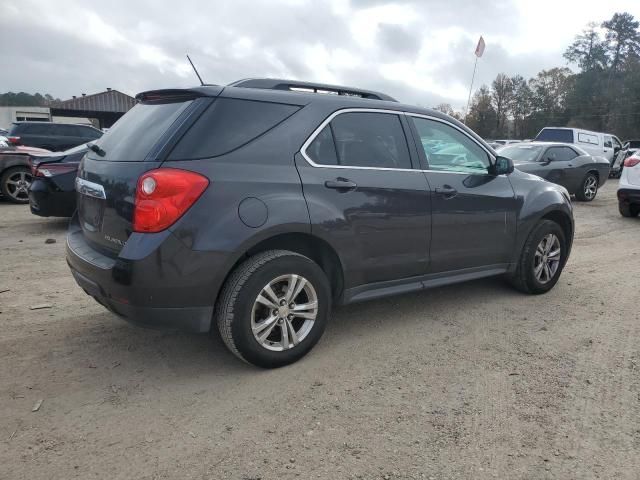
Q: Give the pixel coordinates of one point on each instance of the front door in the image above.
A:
(365, 198)
(473, 222)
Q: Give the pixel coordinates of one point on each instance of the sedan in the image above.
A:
(15, 174)
(567, 165)
(52, 192)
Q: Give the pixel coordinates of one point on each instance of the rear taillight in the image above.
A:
(163, 196)
(14, 140)
(631, 161)
(53, 169)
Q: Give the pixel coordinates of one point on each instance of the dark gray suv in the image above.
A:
(259, 205)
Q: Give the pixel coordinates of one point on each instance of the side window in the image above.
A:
(569, 153)
(323, 149)
(87, 132)
(588, 138)
(365, 139)
(229, 124)
(33, 129)
(560, 154)
(608, 141)
(60, 130)
(448, 149)
(616, 143)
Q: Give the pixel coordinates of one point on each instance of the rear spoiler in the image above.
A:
(179, 94)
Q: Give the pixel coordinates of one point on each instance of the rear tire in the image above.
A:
(14, 184)
(628, 210)
(588, 188)
(260, 296)
(532, 277)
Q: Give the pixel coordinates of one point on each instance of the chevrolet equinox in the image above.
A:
(256, 206)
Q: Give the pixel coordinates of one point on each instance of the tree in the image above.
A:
(588, 50)
(482, 116)
(519, 107)
(501, 94)
(448, 109)
(550, 89)
(622, 39)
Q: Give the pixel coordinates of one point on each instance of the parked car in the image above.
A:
(15, 171)
(55, 137)
(257, 206)
(4, 141)
(567, 165)
(52, 192)
(629, 187)
(594, 143)
(4, 132)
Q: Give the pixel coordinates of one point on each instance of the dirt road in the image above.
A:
(472, 381)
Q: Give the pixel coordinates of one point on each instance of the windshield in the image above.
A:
(521, 153)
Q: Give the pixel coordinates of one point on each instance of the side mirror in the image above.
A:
(502, 166)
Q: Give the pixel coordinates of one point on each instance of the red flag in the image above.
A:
(480, 48)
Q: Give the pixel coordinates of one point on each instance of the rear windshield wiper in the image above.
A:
(95, 148)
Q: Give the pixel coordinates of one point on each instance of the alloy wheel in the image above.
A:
(17, 185)
(284, 312)
(547, 258)
(590, 187)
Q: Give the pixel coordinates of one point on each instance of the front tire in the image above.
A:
(14, 184)
(542, 259)
(274, 308)
(588, 188)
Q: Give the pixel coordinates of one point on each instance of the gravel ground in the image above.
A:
(469, 381)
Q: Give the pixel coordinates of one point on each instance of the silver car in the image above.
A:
(567, 165)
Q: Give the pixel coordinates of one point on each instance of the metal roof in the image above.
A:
(108, 101)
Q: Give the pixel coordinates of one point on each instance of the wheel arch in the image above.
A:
(562, 219)
(305, 244)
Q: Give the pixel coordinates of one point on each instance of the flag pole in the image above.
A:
(466, 111)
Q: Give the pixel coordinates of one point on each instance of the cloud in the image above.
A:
(417, 51)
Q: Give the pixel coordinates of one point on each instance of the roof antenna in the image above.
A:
(195, 70)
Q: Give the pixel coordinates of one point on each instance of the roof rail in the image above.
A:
(297, 86)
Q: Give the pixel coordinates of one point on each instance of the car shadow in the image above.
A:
(163, 355)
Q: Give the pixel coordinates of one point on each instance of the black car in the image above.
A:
(258, 206)
(568, 165)
(52, 192)
(56, 137)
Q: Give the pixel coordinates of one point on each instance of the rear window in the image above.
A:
(229, 124)
(555, 135)
(133, 136)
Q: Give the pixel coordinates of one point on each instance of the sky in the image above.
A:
(420, 52)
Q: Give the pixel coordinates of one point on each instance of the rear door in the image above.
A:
(473, 220)
(365, 197)
(106, 184)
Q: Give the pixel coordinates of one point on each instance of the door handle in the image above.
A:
(340, 184)
(446, 191)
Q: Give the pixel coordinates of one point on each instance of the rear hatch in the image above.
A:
(107, 179)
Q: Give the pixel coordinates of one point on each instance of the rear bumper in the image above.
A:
(156, 281)
(629, 195)
(191, 319)
(46, 202)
